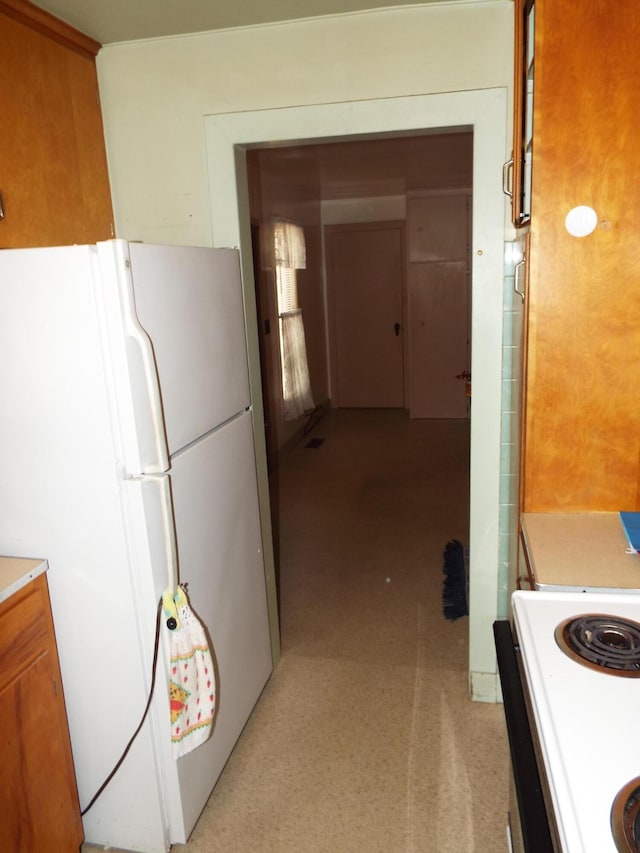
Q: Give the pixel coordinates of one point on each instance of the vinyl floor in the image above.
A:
(365, 739)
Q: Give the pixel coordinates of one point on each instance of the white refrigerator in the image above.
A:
(126, 445)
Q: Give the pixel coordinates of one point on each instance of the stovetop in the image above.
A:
(586, 718)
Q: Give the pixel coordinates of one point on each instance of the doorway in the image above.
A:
(484, 111)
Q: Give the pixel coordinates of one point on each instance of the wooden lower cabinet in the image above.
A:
(40, 809)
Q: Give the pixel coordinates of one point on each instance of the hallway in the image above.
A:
(365, 739)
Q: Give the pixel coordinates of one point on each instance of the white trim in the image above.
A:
(485, 111)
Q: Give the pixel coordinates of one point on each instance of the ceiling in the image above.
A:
(109, 21)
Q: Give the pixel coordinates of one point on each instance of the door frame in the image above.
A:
(337, 228)
(485, 112)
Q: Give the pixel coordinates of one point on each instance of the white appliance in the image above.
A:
(585, 712)
(127, 427)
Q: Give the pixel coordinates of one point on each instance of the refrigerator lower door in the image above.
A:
(220, 558)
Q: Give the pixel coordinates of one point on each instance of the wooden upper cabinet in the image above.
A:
(582, 448)
(53, 169)
(519, 182)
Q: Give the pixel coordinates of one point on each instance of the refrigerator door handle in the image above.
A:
(159, 512)
(170, 544)
(141, 417)
(147, 401)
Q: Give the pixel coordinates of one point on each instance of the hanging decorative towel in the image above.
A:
(192, 683)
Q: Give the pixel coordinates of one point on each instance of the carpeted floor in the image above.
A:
(365, 739)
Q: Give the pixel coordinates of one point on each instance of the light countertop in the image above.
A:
(579, 551)
(16, 572)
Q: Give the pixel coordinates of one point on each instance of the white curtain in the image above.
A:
(289, 246)
(290, 255)
(296, 387)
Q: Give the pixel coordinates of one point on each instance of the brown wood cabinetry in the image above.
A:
(523, 88)
(53, 169)
(582, 430)
(40, 810)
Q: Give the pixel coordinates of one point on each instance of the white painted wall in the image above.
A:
(155, 93)
(173, 170)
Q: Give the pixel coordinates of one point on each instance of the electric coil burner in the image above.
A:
(603, 642)
(625, 818)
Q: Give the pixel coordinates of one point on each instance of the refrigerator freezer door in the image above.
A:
(219, 549)
(189, 302)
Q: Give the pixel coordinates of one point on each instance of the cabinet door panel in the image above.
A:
(53, 173)
(37, 793)
(523, 88)
(40, 809)
(23, 633)
(582, 447)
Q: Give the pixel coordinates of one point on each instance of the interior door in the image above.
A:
(439, 304)
(439, 341)
(365, 269)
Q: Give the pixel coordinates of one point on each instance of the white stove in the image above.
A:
(586, 717)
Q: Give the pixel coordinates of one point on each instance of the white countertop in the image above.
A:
(16, 572)
(578, 551)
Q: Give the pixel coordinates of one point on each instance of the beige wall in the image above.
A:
(156, 93)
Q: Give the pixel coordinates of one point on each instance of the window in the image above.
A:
(290, 256)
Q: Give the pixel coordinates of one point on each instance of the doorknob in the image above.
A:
(396, 328)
